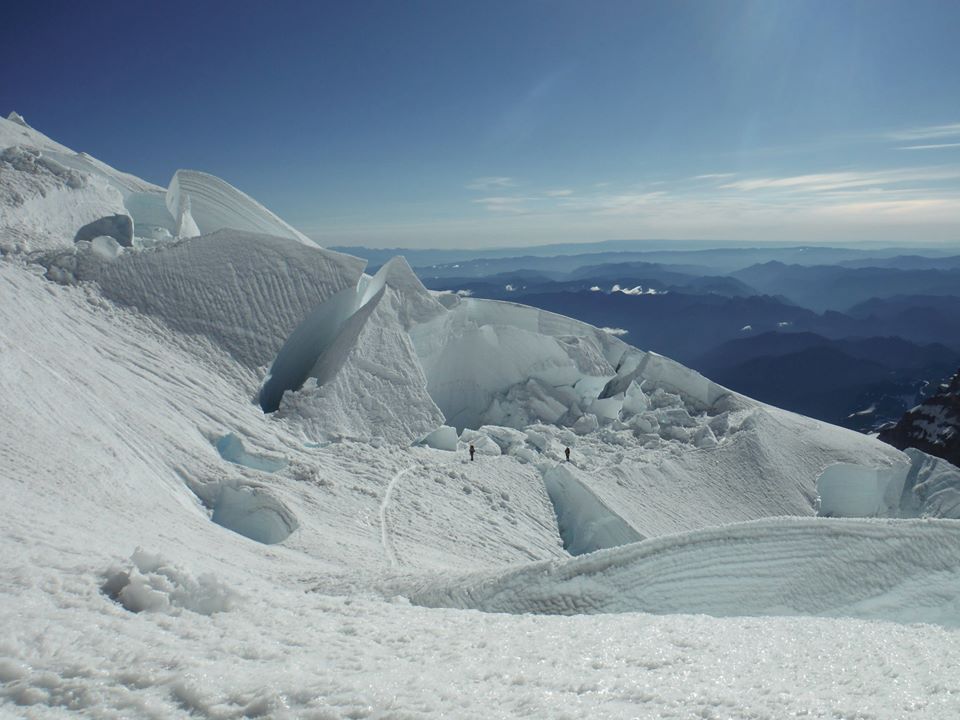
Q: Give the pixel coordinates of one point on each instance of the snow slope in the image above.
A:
(171, 550)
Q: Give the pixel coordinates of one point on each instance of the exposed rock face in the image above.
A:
(933, 426)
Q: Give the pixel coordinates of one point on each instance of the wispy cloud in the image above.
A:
(564, 192)
(503, 204)
(937, 146)
(713, 176)
(927, 132)
(622, 203)
(822, 182)
(490, 183)
(893, 209)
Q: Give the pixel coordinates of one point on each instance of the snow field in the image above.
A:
(287, 654)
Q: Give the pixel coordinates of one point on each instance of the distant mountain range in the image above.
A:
(830, 287)
(561, 256)
(853, 382)
(861, 339)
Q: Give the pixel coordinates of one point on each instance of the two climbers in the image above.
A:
(473, 450)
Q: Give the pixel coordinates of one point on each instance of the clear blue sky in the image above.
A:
(458, 123)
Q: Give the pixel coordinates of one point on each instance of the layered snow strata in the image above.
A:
(202, 203)
(244, 292)
(908, 571)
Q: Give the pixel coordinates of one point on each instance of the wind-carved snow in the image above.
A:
(213, 204)
(865, 569)
(244, 292)
(43, 203)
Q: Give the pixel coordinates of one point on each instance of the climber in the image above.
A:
(472, 451)
(566, 452)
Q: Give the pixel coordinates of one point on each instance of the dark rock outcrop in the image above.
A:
(933, 426)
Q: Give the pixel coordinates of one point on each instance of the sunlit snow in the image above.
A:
(173, 550)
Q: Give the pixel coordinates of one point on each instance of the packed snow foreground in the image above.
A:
(235, 483)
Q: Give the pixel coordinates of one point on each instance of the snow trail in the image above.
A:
(384, 531)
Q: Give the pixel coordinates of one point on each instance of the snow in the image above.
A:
(118, 227)
(202, 204)
(443, 438)
(584, 522)
(151, 584)
(766, 567)
(920, 486)
(170, 550)
(253, 513)
(848, 490)
(232, 450)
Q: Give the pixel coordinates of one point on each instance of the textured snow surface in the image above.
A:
(213, 204)
(244, 292)
(112, 421)
(170, 550)
(907, 570)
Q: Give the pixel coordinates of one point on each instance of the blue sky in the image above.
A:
(454, 123)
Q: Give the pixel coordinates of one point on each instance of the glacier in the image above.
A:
(173, 550)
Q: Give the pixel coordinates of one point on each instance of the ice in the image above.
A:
(542, 357)
(232, 450)
(202, 204)
(106, 247)
(585, 523)
(848, 490)
(920, 486)
(254, 513)
(443, 438)
(301, 351)
(118, 227)
(366, 379)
